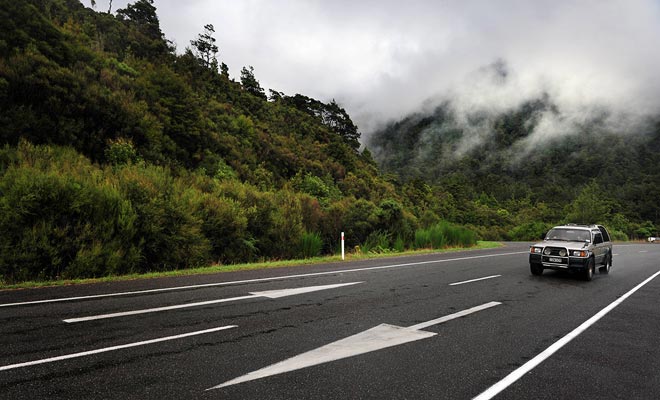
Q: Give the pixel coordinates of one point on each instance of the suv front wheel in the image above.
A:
(589, 273)
(536, 269)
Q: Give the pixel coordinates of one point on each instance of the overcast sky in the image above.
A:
(384, 59)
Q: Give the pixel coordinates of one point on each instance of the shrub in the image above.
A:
(60, 218)
(359, 221)
(444, 234)
(618, 236)
(120, 151)
(399, 244)
(530, 231)
(224, 224)
(377, 242)
(310, 245)
(167, 230)
(322, 189)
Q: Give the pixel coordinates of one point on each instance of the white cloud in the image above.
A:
(383, 59)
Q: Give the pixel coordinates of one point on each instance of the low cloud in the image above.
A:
(383, 60)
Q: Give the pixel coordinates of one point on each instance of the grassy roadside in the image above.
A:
(243, 267)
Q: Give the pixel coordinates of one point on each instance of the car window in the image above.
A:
(579, 235)
(606, 236)
(598, 238)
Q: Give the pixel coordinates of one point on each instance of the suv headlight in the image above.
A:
(579, 253)
(535, 250)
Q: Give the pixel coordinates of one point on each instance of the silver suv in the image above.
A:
(575, 248)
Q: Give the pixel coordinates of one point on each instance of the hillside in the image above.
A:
(123, 155)
(507, 176)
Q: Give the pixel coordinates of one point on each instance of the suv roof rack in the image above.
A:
(582, 225)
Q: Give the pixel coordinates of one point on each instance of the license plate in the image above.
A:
(555, 259)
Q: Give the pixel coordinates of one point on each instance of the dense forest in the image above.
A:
(509, 184)
(123, 154)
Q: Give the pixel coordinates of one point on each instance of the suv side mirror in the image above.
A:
(543, 235)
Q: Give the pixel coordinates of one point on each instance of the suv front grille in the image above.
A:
(552, 257)
(554, 251)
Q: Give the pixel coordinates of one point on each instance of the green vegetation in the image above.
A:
(311, 245)
(121, 156)
(214, 269)
(507, 186)
(444, 234)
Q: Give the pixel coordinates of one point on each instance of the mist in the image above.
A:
(384, 60)
(594, 61)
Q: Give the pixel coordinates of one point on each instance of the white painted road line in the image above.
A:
(156, 309)
(376, 338)
(271, 294)
(459, 314)
(113, 348)
(275, 278)
(474, 280)
(534, 362)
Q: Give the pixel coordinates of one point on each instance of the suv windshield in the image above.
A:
(575, 235)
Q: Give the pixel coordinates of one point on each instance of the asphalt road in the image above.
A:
(361, 330)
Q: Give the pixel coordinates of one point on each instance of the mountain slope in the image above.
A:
(500, 160)
(122, 156)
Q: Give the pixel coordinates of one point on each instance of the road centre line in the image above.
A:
(534, 362)
(275, 278)
(113, 348)
(474, 280)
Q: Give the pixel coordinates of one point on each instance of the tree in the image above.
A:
(331, 115)
(589, 207)
(206, 49)
(340, 122)
(142, 14)
(275, 95)
(146, 39)
(251, 84)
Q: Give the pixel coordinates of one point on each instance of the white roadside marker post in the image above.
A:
(342, 246)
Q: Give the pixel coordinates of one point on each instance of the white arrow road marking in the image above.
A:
(379, 337)
(123, 346)
(276, 294)
(271, 294)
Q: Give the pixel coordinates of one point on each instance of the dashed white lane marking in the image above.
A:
(275, 278)
(474, 280)
(531, 364)
(113, 348)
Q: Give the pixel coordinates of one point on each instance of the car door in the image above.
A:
(599, 247)
(606, 239)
